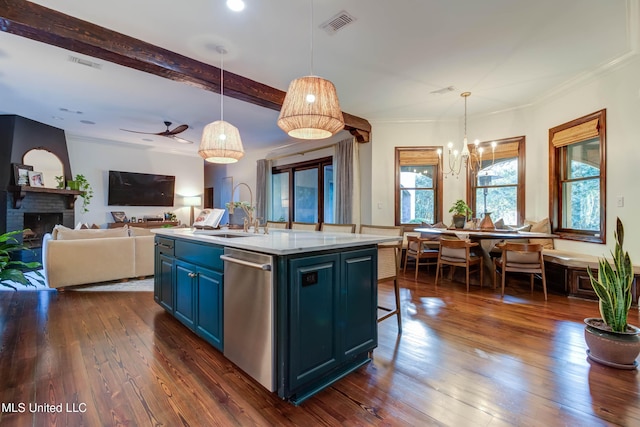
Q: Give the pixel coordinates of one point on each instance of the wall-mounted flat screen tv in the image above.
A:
(140, 189)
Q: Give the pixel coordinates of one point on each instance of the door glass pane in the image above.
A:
(581, 209)
(280, 197)
(501, 202)
(306, 195)
(329, 205)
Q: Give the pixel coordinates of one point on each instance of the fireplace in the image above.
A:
(37, 225)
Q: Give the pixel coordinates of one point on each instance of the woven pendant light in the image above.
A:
(311, 109)
(221, 141)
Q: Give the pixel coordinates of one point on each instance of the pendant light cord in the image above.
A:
(221, 50)
(311, 38)
(465, 116)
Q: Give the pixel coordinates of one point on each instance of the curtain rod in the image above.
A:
(301, 153)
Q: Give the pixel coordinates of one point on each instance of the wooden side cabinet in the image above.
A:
(580, 284)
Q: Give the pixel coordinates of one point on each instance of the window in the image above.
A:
(498, 186)
(577, 165)
(418, 186)
(303, 192)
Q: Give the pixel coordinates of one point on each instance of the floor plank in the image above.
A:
(472, 359)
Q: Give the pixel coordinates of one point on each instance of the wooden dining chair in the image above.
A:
(521, 258)
(419, 248)
(457, 253)
(338, 228)
(388, 266)
(310, 226)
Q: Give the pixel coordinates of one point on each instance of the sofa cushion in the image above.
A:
(64, 233)
(139, 231)
(541, 227)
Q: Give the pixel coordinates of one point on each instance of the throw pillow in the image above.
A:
(499, 224)
(541, 227)
(54, 233)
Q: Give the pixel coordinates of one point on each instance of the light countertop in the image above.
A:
(277, 242)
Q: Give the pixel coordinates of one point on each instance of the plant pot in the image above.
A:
(73, 185)
(614, 349)
(459, 220)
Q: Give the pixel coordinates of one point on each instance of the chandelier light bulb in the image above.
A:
(223, 136)
(311, 98)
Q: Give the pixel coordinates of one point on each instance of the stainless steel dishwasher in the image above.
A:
(249, 314)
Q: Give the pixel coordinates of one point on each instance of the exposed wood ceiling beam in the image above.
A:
(48, 26)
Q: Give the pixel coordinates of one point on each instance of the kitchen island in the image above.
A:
(295, 310)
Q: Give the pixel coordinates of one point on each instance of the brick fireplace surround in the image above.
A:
(44, 209)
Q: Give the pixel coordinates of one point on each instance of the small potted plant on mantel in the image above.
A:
(611, 341)
(460, 211)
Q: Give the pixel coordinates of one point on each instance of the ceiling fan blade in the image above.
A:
(181, 140)
(135, 131)
(178, 129)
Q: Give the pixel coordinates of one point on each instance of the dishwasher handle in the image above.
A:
(265, 267)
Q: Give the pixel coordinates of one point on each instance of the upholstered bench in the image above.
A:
(566, 272)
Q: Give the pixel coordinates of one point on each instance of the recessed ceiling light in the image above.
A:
(87, 122)
(235, 5)
(147, 139)
(57, 118)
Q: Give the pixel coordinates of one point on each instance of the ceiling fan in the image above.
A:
(169, 133)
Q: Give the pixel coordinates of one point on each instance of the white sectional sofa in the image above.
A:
(77, 257)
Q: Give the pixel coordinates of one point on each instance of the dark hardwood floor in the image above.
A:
(463, 360)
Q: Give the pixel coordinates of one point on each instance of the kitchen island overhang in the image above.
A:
(324, 298)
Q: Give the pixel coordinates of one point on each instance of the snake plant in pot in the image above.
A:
(11, 271)
(610, 339)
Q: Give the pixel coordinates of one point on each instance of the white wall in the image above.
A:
(94, 158)
(617, 90)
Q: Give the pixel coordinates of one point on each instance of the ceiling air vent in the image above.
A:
(337, 22)
(85, 62)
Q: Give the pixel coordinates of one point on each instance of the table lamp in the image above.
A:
(192, 202)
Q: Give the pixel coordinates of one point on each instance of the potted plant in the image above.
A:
(10, 270)
(460, 212)
(610, 339)
(87, 191)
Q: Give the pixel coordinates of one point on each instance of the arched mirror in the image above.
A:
(47, 164)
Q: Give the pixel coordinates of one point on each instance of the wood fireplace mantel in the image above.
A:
(20, 192)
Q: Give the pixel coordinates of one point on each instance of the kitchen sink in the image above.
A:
(213, 233)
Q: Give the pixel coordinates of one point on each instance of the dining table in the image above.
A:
(480, 235)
